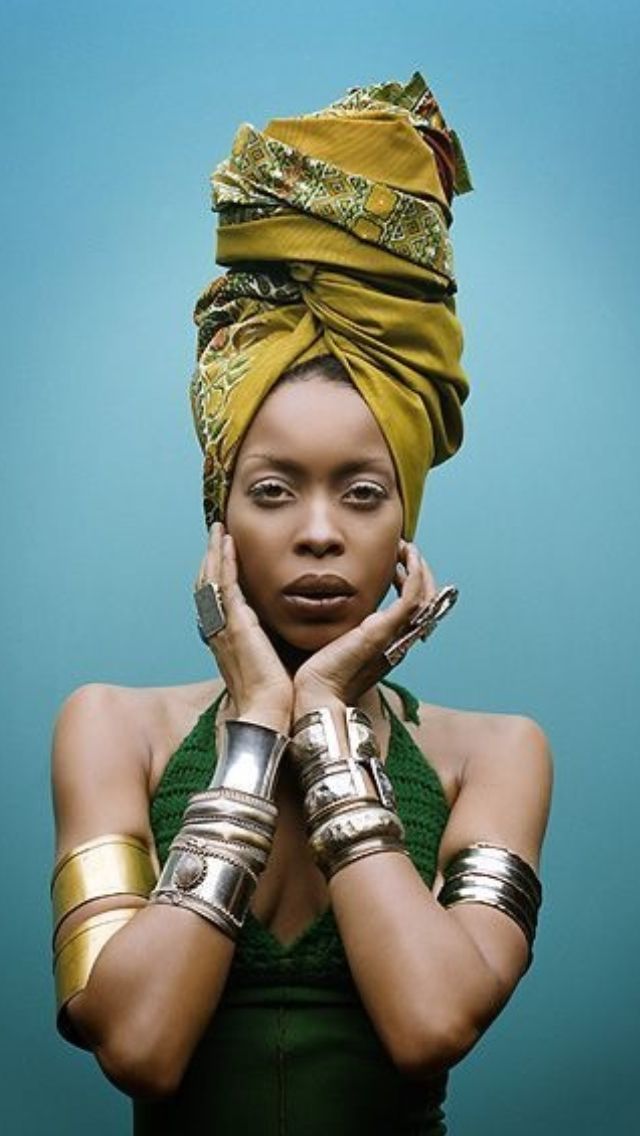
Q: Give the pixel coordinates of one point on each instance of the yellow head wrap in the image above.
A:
(335, 228)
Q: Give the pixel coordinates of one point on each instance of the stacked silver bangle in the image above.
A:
(223, 845)
(489, 874)
(348, 817)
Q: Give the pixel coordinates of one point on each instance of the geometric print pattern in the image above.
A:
(263, 170)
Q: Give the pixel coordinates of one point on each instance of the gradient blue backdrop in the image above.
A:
(113, 115)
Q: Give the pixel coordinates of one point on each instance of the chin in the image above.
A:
(306, 638)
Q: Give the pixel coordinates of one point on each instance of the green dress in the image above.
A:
(290, 1050)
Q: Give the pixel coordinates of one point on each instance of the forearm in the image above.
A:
(148, 988)
(426, 986)
(150, 995)
(424, 979)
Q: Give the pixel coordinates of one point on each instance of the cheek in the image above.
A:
(383, 579)
(380, 553)
(257, 548)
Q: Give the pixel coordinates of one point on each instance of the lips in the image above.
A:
(316, 586)
(318, 598)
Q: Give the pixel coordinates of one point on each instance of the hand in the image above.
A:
(259, 687)
(345, 668)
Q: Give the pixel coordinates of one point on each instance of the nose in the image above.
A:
(319, 534)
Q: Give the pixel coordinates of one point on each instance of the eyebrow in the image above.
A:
(343, 470)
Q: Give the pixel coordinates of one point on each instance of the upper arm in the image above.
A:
(99, 778)
(504, 799)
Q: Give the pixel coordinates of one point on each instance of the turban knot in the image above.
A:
(334, 227)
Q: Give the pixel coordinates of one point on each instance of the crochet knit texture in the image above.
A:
(316, 956)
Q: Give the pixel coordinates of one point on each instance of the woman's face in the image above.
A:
(315, 512)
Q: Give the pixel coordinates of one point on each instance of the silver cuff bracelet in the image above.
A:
(354, 834)
(227, 815)
(249, 759)
(349, 816)
(326, 774)
(227, 832)
(218, 887)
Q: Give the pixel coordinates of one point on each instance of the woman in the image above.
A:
(290, 899)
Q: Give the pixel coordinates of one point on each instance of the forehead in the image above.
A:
(315, 421)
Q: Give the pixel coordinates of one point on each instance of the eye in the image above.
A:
(366, 493)
(269, 492)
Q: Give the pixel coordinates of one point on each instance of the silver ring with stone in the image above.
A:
(211, 617)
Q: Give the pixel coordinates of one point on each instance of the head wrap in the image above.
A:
(335, 228)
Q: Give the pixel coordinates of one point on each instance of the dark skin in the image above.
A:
(430, 979)
(295, 508)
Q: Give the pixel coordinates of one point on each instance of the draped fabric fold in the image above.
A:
(334, 227)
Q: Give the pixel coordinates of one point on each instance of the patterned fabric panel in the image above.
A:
(405, 225)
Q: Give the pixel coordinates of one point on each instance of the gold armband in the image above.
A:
(110, 865)
(75, 958)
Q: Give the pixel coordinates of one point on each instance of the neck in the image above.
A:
(291, 658)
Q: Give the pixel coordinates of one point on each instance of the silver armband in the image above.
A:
(227, 832)
(348, 814)
(489, 874)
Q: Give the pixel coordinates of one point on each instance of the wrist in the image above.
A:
(249, 757)
(348, 800)
(271, 717)
(227, 830)
(309, 701)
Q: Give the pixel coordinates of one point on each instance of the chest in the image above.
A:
(291, 891)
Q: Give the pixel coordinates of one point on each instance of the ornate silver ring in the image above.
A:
(211, 617)
(422, 625)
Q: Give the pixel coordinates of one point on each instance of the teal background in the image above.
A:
(113, 115)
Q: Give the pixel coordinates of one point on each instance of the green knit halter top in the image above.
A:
(290, 1049)
(316, 955)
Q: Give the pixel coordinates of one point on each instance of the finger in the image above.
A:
(213, 557)
(227, 575)
(399, 577)
(383, 626)
(209, 565)
(411, 593)
(197, 583)
(235, 604)
(400, 574)
(429, 586)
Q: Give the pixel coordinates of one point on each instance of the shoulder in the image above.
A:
(144, 713)
(468, 748)
(137, 724)
(511, 747)
(96, 708)
(472, 738)
(505, 779)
